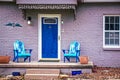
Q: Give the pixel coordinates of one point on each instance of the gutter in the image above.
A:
(7, 0)
(99, 1)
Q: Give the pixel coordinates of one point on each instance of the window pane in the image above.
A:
(117, 19)
(116, 26)
(106, 35)
(111, 26)
(111, 41)
(106, 41)
(50, 21)
(116, 41)
(107, 27)
(111, 35)
(116, 35)
(112, 19)
(107, 19)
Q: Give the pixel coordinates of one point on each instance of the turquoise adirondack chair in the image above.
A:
(21, 52)
(73, 52)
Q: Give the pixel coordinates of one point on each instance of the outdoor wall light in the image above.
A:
(29, 20)
(62, 22)
(13, 24)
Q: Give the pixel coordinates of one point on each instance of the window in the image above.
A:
(50, 20)
(111, 32)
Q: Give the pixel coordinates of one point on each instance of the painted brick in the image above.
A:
(87, 29)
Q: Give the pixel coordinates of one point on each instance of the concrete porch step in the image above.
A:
(42, 74)
(42, 71)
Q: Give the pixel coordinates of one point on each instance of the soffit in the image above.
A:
(46, 4)
(46, 1)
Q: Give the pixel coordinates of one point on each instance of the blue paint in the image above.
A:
(76, 72)
(21, 52)
(74, 51)
(49, 40)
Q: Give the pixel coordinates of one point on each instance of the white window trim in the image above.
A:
(108, 47)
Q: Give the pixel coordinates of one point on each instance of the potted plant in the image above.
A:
(4, 59)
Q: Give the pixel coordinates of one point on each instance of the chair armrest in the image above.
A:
(28, 50)
(65, 51)
(78, 51)
(15, 51)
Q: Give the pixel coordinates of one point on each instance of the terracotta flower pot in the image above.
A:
(83, 59)
(4, 59)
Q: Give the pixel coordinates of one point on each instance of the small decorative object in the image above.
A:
(4, 59)
(76, 72)
(13, 24)
(16, 73)
(84, 59)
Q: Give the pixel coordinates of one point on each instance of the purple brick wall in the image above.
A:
(87, 29)
(9, 12)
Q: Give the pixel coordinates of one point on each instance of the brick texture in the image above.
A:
(87, 29)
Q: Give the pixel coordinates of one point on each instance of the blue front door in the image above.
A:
(49, 37)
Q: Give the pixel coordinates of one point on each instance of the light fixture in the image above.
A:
(13, 24)
(62, 22)
(29, 20)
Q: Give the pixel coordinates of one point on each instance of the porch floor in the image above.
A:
(54, 65)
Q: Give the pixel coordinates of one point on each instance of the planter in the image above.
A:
(84, 59)
(4, 59)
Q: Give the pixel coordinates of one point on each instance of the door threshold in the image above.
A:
(49, 60)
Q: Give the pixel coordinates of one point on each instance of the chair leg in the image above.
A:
(25, 59)
(17, 60)
(29, 59)
(68, 58)
(64, 59)
(14, 59)
(77, 59)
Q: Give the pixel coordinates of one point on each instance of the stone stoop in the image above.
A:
(42, 74)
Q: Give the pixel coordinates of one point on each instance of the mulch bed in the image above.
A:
(98, 73)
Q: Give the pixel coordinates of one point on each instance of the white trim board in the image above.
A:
(40, 34)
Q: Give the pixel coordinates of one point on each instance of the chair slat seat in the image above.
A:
(24, 55)
(70, 55)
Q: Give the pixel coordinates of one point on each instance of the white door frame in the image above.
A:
(40, 35)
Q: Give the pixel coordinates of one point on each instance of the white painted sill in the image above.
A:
(111, 48)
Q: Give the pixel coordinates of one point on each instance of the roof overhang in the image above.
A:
(7, 0)
(46, 4)
(46, 1)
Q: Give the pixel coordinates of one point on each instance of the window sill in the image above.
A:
(110, 49)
